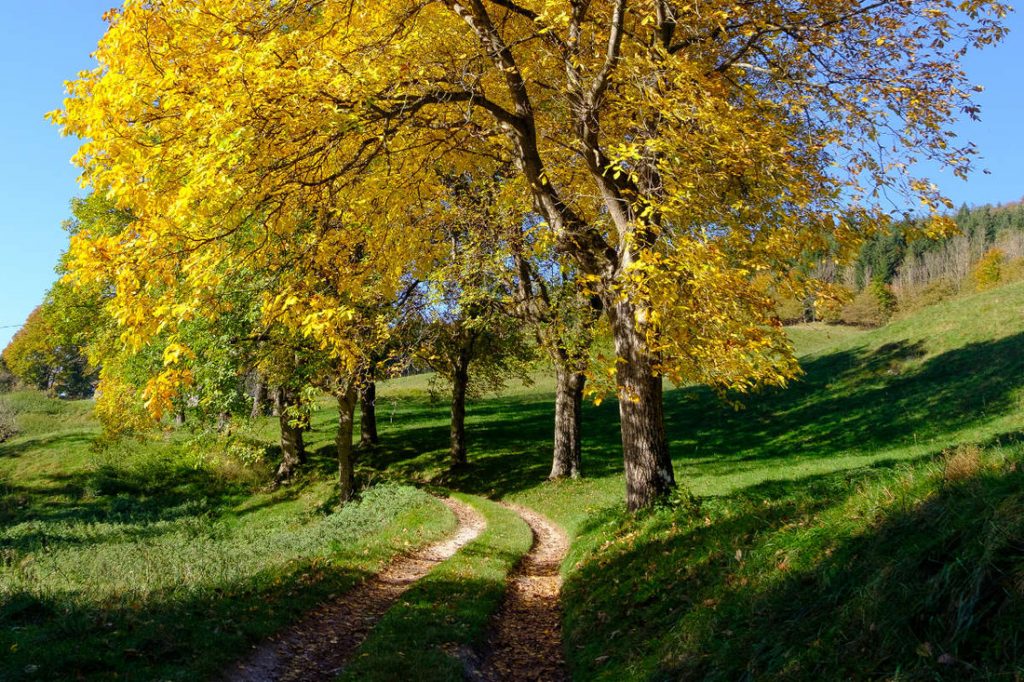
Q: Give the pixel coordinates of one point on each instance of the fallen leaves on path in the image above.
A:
(526, 642)
(319, 646)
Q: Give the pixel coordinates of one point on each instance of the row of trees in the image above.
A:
(894, 268)
(887, 255)
(467, 319)
(41, 356)
(294, 168)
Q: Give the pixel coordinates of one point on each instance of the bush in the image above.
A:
(930, 294)
(988, 272)
(8, 421)
(791, 310)
(872, 307)
(829, 302)
(1012, 270)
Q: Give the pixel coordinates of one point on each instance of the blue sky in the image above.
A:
(46, 42)
(42, 44)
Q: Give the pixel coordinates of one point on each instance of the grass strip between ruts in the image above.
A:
(424, 634)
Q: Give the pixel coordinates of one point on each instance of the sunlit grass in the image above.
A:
(831, 533)
(870, 418)
(134, 562)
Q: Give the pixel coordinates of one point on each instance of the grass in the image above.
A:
(646, 595)
(448, 612)
(133, 562)
(865, 522)
(892, 572)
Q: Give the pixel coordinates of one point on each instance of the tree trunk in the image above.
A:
(179, 417)
(460, 380)
(368, 416)
(346, 423)
(278, 408)
(568, 423)
(649, 474)
(259, 399)
(293, 446)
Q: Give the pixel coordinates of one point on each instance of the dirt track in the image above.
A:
(526, 641)
(319, 646)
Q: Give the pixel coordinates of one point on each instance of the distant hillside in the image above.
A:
(887, 256)
(895, 274)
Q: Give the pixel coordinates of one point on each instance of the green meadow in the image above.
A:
(865, 522)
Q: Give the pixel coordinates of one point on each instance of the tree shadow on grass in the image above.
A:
(170, 637)
(509, 439)
(855, 401)
(133, 504)
(18, 447)
(858, 401)
(859, 575)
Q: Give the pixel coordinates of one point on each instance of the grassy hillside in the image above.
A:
(865, 520)
(134, 561)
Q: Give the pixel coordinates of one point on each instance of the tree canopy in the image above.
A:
(681, 158)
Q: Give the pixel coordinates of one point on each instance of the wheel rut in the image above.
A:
(318, 647)
(526, 636)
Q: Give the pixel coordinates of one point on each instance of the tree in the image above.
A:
(39, 356)
(674, 151)
(471, 342)
(514, 273)
(563, 319)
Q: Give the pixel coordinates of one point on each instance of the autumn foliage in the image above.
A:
(682, 160)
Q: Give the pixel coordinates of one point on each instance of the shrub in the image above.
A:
(791, 310)
(8, 421)
(862, 311)
(120, 410)
(988, 272)
(930, 294)
(865, 310)
(829, 303)
(1012, 270)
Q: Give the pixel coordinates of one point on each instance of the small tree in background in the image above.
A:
(989, 270)
(41, 357)
(473, 354)
(884, 296)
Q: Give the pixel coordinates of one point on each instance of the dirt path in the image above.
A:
(318, 647)
(526, 642)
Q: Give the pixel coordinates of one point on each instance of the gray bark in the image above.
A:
(293, 446)
(567, 459)
(649, 472)
(259, 399)
(368, 416)
(346, 425)
(278, 406)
